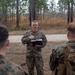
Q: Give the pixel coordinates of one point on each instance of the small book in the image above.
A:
(37, 42)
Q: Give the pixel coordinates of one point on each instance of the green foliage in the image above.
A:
(52, 5)
(23, 6)
(62, 5)
(42, 4)
(10, 6)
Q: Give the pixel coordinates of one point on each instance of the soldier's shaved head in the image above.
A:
(71, 28)
(3, 35)
(34, 22)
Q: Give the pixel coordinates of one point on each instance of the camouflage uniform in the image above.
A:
(33, 56)
(57, 61)
(9, 68)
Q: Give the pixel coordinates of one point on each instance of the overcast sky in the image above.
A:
(55, 1)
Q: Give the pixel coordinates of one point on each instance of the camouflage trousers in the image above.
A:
(37, 62)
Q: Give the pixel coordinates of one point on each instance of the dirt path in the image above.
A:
(52, 37)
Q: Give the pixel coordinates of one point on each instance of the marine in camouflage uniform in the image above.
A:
(6, 66)
(62, 58)
(57, 59)
(33, 55)
(9, 68)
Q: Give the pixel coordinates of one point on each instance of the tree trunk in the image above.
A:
(32, 10)
(71, 10)
(68, 17)
(17, 15)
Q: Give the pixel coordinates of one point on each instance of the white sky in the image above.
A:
(55, 1)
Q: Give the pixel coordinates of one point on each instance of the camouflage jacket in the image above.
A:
(9, 68)
(30, 49)
(59, 55)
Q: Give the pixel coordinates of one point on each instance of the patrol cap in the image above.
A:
(71, 28)
(3, 33)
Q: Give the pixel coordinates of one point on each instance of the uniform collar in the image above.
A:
(34, 31)
(1, 56)
(71, 44)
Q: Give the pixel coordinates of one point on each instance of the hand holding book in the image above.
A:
(37, 42)
(31, 37)
(38, 46)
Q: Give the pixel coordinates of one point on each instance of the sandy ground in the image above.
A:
(50, 38)
(16, 52)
